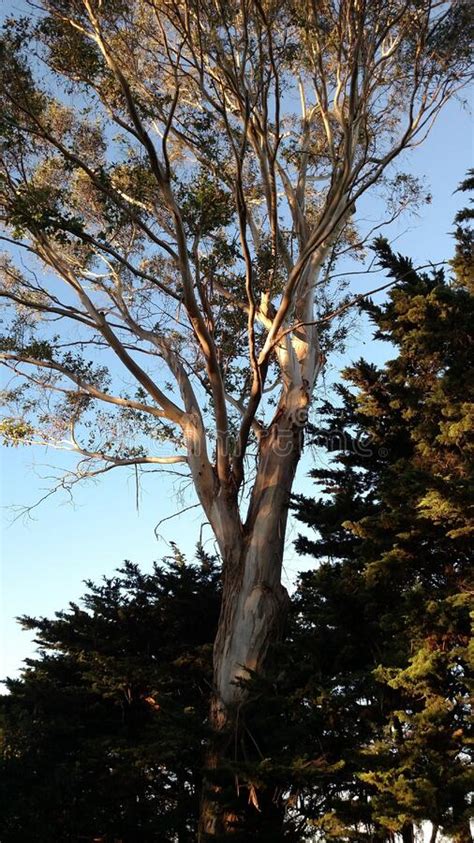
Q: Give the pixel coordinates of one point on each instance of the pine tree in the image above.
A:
(386, 610)
(102, 734)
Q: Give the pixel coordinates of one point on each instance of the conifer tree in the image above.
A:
(102, 734)
(387, 609)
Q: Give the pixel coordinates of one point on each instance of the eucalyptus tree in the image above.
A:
(178, 178)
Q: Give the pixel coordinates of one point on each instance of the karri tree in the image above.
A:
(178, 179)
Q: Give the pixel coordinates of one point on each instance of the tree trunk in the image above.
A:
(408, 833)
(253, 612)
(461, 823)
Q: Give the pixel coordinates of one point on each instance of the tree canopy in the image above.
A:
(102, 735)
(359, 726)
(169, 210)
(178, 180)
(389, 603)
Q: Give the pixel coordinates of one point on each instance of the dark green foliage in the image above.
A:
(102, 735)
(386, 613)
(463, 262)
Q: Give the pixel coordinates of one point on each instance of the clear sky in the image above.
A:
(44, 561)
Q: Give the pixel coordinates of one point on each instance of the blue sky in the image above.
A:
(45, 560)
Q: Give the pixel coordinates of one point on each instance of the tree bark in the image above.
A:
(408, 833)
(253, 612)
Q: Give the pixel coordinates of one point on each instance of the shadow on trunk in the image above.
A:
(239, 801)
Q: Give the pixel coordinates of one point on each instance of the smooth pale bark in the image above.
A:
(254, 602)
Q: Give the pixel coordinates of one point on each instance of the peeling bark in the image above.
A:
(254, 606)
